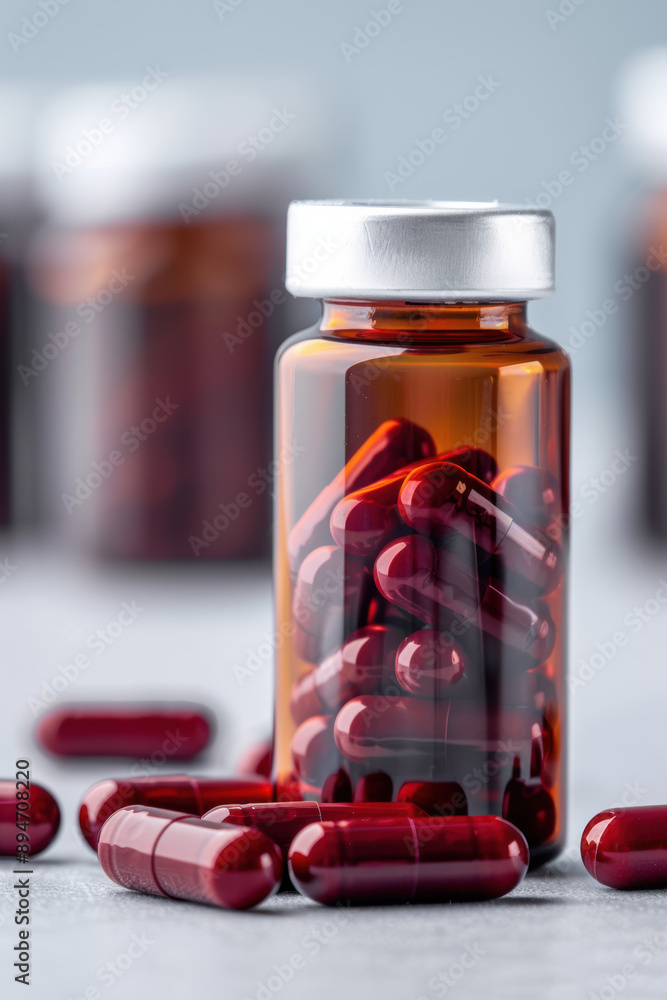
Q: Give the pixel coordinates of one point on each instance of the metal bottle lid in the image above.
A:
(422, 251)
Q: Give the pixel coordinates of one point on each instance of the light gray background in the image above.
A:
(559, 935)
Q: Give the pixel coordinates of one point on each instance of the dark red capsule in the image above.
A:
(429, 860)
(394, 444)
(179, 792)
(364, 521)
(627, 848)
(435, 798)
(314, 753)
(378, 728)
(440, 498)
(529, 805)
(429, 664)
(375, 787)
(337, 787)
(166, 853)
(533, 491)
(177, 731)
(474, 460)
(380, 611)
(360, 666)
(43, 817)
(257, 759)
(439, 588)
(281, 821)
(330, 594)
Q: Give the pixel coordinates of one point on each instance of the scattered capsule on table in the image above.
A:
(42, 815)
(281, 821)
(441, 589)
(394, 444)
(627, 848)
(181, 792)
(532, 490)
(360, 666)
(430, 859)
(439, 499)
(173, 854)
(177, 731)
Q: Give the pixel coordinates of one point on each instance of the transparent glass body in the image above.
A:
(421, 612)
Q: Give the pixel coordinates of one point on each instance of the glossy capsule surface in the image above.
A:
(429, 664)
(377, 728)
(178, 731)
(627, 848)
(360, 666)
(440, 498)
(393, 444)
(330, 591)
(281, 821)
(366, 519)
(179, 792)
(313, 750)
(533, 491)
(438, 587)
(167, 853)
(43, 815)
(434, 859)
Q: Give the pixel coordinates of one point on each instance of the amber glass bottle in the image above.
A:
(421, 516)
(181, 399)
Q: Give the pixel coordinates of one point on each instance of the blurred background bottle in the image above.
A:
(159, 274)
(643, 104)
(19, 214)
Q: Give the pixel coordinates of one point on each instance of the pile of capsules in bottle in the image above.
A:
(422, 657)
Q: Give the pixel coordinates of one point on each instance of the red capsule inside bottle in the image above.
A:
(394, 444)
(166, 853)
(439, 499)
(435, 798)
(434, 859)
(430, 664)
(331, 591)
(365, 520)
(627, 848)
(531, 490)
(530, 806)
(132, 729)
(179, 792)
(313, 750)
(439, 587)
(31, 821)
(377, 728)
(361, 665)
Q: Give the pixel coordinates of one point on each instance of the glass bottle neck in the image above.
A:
(427, 320)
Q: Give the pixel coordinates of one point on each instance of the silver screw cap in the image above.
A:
(422, 251)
